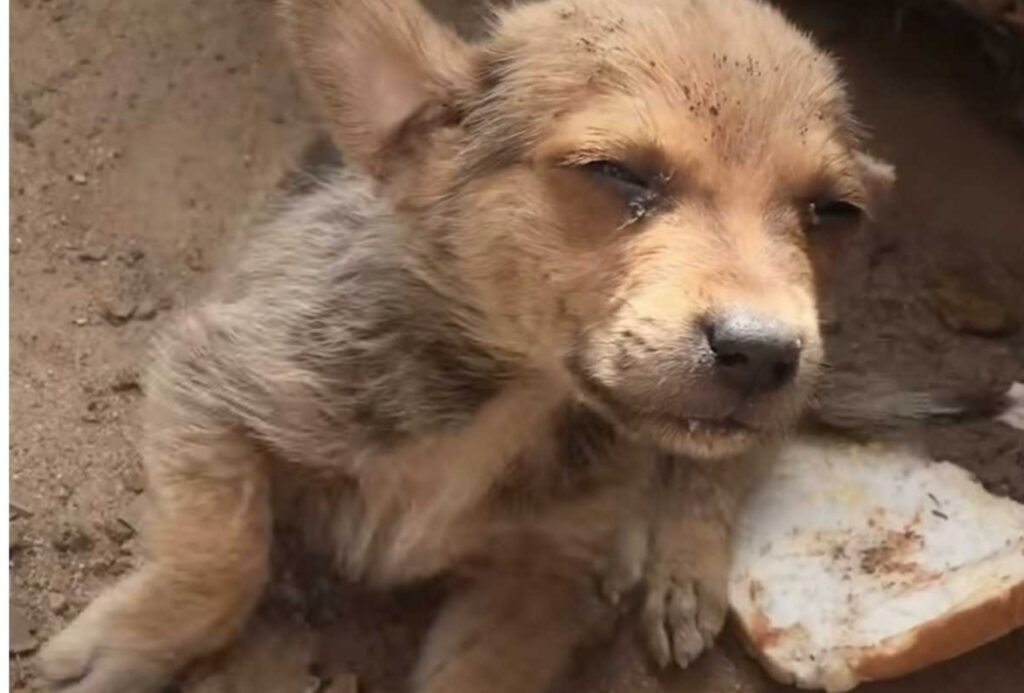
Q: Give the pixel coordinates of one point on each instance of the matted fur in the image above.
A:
(474, 352)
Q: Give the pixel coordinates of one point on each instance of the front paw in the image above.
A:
(683, 614)
(103, 650)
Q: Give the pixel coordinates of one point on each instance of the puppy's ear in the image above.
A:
(383, 71)
(878, 178)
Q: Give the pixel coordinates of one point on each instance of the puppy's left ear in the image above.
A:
(385, 73)
(878, 178)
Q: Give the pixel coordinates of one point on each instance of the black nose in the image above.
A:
(753, 352)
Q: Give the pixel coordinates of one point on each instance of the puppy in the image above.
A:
(564, 292)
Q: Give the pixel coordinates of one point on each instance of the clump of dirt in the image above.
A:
(142, 131)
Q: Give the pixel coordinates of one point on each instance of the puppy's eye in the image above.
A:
(617, 173)
(640, 193)
(834, 213)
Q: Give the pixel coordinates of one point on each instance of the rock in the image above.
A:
(18, 507)
(57, 602)
(971, 308)
(101, 565)
(78, 178)
(94, 411)
(21, 633)
(119, 311)
(73, 538)
(133, 479)
(135, 514)
(133, 257)
(194, 259)
(147, 309)
(120, 566)
(16, 539)
(94, 254)
(125, 380)
(118, 531)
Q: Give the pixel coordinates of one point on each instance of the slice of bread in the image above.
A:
(856, 563)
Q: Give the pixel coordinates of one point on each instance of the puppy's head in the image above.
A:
(645, 198)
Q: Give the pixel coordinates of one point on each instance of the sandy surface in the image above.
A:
(142, 132)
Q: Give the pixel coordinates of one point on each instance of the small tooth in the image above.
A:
(692, 425)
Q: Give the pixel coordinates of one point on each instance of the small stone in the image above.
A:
(94, 411)
(57, 602)
(147, 309)
(19, 508)
(79, 178)
(969, 307)
(123, 564)
(125, 380)
(134, 515)
(119, 311)
(16, 539)
(133, 257)
(132, 479)
(94, 254)
(101, 565)
(118, 531)
(194, 259)
(22, 640)
(80, 322)
(73, 538)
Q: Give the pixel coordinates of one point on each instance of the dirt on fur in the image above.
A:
(142, 133)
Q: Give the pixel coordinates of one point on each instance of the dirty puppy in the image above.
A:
(533, 334)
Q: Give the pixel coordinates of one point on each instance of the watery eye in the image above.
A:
(828, 213)
(618, 173)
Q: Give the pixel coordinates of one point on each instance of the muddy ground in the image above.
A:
(142, 132)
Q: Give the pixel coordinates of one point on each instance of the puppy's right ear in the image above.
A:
(384, 72)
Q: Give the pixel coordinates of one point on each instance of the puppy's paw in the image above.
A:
(683, 614)
(95, 655)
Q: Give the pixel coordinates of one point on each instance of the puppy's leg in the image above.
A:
(507, 635)
(687, 568)
(209, 543)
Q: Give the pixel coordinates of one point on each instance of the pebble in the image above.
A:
(94, 411)
(134, 515)
(194, 259)
(79, 178)
(147, 309)
(57, 602)
(125, 380)
(118, 531)
(16, 539)
(120, 311)
(73, 538)
(133, 257)
(19, 508)
(95, 254)
(132, 479)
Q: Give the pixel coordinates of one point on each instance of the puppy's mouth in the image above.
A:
(702, 435)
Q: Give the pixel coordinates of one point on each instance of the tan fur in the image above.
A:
(469, 353)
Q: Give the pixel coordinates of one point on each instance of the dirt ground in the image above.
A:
(142, 132)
